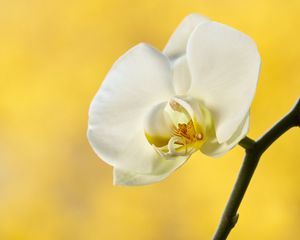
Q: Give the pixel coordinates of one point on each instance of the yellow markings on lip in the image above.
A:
(158, 141)
(194, 145)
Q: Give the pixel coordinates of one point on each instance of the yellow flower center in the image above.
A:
(187, 131)
(179, 128)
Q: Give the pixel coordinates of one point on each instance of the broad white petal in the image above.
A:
(163, 168)
(215, 149)
(224, 65)
(178, 41)
(181, 76)
(139, 80)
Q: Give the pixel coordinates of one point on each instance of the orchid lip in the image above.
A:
(187, 131)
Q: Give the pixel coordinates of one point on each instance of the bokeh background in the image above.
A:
(53, 57)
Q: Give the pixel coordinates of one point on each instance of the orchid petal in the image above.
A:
(163, 168)
(178, 41)
(140, 79)
(215, 149)
(224, 65)
(181, 76)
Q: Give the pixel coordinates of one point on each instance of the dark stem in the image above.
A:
(254, 150)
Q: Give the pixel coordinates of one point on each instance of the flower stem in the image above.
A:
(254, 150)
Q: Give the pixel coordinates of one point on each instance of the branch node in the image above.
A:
(247, 143)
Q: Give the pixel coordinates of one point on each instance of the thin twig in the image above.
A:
(254, 150)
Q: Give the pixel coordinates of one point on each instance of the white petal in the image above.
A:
(178, 41)
(139, 80)
(163, 168)
(224, 65)
(181, 76)
(215, 149)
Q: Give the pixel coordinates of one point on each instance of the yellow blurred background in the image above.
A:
(53, 57)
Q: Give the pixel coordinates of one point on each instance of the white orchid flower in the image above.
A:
(154, 110)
